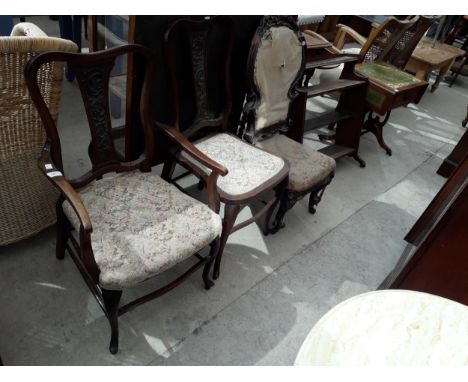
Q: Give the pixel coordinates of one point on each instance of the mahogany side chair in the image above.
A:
(198, 56)
(130, 225)
(275, 106)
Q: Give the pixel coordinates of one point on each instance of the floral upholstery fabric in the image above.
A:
(307, 166)
(142, 226)
(248, 167)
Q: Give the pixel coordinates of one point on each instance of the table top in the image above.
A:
(389, 327)
(436, 55)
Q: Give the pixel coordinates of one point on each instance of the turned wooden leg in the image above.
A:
(442, 72)
(63, 231)
(230, 214)
(168, 170)
(214, 251)
(111, 303)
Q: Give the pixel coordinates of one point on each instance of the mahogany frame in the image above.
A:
(203, 125)
(92, 72)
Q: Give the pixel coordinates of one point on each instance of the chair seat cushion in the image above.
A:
(308, 167)
(248, 167)
(142, 226)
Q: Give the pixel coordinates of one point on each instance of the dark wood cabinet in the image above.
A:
(436, 260)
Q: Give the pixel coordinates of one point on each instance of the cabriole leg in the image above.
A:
(111, 303)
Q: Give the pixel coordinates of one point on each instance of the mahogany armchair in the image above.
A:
(130, 225)
(237, 173)
(275, 103)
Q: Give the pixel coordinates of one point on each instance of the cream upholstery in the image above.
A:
(307, 166)
(277, 63)
(248, 167)
(142, 226)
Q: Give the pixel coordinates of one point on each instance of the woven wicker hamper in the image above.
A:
(27, 199)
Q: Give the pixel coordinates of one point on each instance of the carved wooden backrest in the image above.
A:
(401, 52)
(198, 56)
(92, 73)
(274, 69)
(382, 40)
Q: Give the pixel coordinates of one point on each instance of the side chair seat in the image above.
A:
(307, 166)
(142, 226)
(249, 168)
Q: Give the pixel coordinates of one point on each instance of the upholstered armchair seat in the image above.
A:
(308, 167)
(248, 167)
(142, 226)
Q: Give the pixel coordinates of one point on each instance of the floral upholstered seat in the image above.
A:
(142, 226)
(248, 167)
(307, 166)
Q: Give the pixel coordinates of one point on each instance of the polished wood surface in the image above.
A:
(438, 262)
(455, 157)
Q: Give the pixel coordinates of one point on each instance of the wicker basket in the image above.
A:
(27, 199)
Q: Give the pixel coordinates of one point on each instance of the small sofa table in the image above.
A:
(426, 58)
(389, 328)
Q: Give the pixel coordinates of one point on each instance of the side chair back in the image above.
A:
(275, 68)
(92, 74)
(198, 55)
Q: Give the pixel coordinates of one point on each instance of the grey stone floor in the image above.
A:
(272, 289)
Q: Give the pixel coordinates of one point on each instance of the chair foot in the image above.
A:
(316, 195)
(288, 200)
(358, 159)
(111, 303)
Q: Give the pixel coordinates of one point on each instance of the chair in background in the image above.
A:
(27, 200)
(198, 56)
(383, 57)
(273, 107)
(123, 229)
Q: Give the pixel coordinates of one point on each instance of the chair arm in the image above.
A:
(184, 144)
(66, 189)
(341, 34)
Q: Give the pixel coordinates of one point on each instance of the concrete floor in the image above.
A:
(272, 289)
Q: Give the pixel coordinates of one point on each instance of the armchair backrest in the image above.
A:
(403, 49)
(384, 38)
(274, 70)
(198, 55)
(92, 73)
